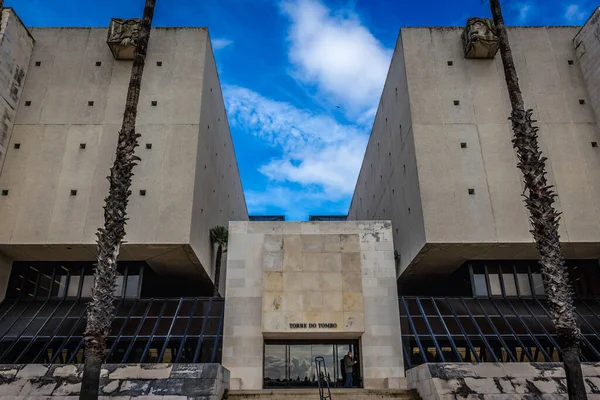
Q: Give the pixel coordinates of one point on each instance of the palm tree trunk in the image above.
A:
(100, 311)
(544, 219)
(218, 270)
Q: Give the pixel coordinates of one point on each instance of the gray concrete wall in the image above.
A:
(16, 45)
(492, 223)
(388, 183)
(587, 47)
(218, 193)
(40, 220)
(122, 381)
(269, 262)
(505, 381)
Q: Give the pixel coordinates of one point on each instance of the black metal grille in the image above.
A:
(327, 218)
(443, 329)
(266, 217)
(180, 330)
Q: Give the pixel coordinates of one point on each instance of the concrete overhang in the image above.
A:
(171, 259)
(441, 259)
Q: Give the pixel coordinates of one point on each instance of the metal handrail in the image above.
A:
(320, 361)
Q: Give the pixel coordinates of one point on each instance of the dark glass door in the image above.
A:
(292, 364)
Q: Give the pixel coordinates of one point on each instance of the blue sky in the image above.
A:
(301, 78)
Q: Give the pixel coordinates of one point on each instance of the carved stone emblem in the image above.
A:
(480, 39)
(122, 37)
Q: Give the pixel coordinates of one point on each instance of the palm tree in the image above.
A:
(543, 217)
(100, 310)
(218, 235)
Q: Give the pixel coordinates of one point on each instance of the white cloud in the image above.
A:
(221, 43)
(523, 12)
(315, 150)
(337, 53)
(573, 13)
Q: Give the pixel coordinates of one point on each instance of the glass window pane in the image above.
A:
(524, 287)
(118, 287)
(88, 283)
(132, 286)
(495, 284)
(59, 287)
(480, 285)
(538, 284)
(510, 288)
(73, 286)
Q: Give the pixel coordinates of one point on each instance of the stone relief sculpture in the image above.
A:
(122, 37)
(480, 39)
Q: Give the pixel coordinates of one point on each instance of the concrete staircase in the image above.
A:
(313, 394)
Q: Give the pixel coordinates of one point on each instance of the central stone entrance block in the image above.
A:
(317, 281)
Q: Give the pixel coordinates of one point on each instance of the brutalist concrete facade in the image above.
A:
(440, 163)
(68, 114)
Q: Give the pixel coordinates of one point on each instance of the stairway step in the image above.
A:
(313, 393)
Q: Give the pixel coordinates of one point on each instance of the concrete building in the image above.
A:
(440, 163)
(62, 116)
(430, 281)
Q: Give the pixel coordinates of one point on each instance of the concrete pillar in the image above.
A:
(5, 267)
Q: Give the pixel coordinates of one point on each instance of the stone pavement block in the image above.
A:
(503, 396)
(67, 371)
(33, 371)
(66, 389)
(114, 397)
(519, 370)
(123, 371)
(154, 371)
(445, 386)
(38, 387)
(488, 370)
(12, 387)
(110, 387)
(8, 371)
(482, 385)
(547, 385)
(504, 385)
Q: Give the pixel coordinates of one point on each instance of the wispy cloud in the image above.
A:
(335, 52)
(574, 14)
(314, 149)
(221, 43)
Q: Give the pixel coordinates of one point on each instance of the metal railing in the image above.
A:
(322, 378)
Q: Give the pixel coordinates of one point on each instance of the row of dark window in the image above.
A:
(144, 330)
(68, 280)
(451, 329)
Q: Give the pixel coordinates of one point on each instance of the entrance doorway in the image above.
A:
(291, 364)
